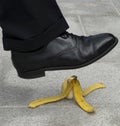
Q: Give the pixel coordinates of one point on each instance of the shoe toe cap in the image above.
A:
(105, 42)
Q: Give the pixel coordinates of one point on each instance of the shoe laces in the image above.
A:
(66, 34)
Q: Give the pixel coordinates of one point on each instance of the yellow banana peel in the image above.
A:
(71, 88)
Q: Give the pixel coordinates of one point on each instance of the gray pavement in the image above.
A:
(85, 17)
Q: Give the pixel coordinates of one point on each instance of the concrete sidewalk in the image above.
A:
(85, 17)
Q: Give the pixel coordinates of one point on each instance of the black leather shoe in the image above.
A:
(67, 51)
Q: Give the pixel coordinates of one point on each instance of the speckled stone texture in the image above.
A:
(85, 17)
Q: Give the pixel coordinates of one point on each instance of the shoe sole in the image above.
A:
(41, 72)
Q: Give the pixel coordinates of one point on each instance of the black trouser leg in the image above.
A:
(30, 24)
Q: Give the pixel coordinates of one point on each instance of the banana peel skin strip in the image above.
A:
(93, 88)
(42, 101)
(79, 98)
(71, 88)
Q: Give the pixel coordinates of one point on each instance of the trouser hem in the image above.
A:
(38, 41)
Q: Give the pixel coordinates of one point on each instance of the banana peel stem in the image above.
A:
(71, 88)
